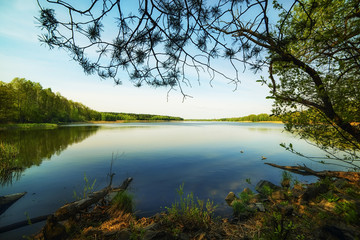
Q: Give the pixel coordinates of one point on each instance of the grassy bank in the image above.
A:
(29, 126)
(327, 209)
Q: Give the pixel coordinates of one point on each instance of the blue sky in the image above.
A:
(22, 55)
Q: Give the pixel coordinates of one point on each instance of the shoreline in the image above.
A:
(296, 207)
(28, 126)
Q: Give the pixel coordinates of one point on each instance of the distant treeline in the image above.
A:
(24, 101)
(253, 118)
(111, 116)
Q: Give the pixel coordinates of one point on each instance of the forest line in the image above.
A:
(24, 101)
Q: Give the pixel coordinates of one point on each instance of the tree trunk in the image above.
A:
(303, 170)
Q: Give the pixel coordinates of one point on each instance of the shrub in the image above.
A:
(191, 213)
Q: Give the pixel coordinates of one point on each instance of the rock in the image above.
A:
(260, 207)
(230, 198)
(263, 184)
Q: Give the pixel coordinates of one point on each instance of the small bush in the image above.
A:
(242, 205)
(239, 208)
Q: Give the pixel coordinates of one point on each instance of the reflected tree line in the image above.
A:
(21, 149)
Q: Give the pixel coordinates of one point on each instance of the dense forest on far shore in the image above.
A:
(112, 116)
(24, 101)
(253, 118)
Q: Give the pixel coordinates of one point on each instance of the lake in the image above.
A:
(210, 158)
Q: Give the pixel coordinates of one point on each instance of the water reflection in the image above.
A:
(210, 158)
(34, 146)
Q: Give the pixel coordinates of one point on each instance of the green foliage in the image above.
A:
(87, 190)
(278, 227)
(253, 118)
(286, 176)
(315, 78)
(123, 201)
(189, 212)
(241, 206)
(245, 197)
(23, 101)
(267, 190)
(330, 197)
(349, 211)
(112, 116)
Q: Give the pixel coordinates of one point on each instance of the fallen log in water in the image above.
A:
(23, 223)
(303, 170)
(8, 200)
(69, 209)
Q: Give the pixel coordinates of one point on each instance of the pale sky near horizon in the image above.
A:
(23, 56)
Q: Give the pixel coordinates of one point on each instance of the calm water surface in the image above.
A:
(210, 158)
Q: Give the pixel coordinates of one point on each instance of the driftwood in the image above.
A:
(54, 230)
(8, 200)
(24, 223)
(303, 170)
(69, 209)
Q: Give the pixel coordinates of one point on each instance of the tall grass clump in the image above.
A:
(87, 190)
(123, 201)
(190, 213)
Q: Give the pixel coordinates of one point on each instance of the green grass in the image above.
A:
(190, 213)
(123, 201)
(87, 190)
(27, 126)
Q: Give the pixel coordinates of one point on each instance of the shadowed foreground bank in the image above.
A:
(327, 209)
